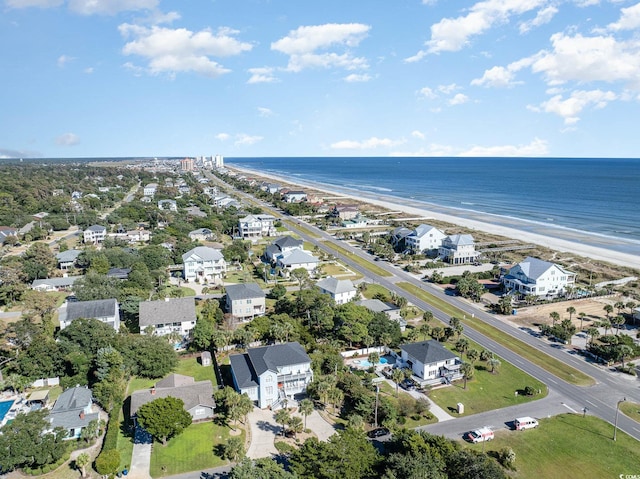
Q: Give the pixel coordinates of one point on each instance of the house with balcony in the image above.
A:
(431, 362)
(245, 301)
(150, 189)
(458, 249)
(201, 234)
(104, 310)
(536, 277)
(341, 290)
(253, 227)
(269, 375)
(67, 259)
(424, 238)
(166, 316)
(204, 263)
(94, 234)
(294, 196)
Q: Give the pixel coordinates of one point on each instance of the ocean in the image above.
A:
(597, 200)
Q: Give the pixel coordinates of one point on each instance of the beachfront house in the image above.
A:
(245, 301)
(272, 374)
(204, 264)
(167, 316)
(341, 290)
(458, 249)
(536, 277)
(399, 238)
(431, 362)
(424, 238)
(104, 310)
(294, 196)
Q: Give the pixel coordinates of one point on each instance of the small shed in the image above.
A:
(38, 398)
(205, 358)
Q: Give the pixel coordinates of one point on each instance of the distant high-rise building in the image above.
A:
(186, 164)
(218, 161)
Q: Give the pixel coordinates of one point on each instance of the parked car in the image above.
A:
(378, 432)
(522, 423)
(408, 384)
(480, 435)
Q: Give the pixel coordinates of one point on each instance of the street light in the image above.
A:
(615, 425)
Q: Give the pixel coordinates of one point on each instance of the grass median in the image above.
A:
(357, 259)
(546, 362)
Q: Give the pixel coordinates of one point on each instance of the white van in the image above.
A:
(480, 435)
(522, 423)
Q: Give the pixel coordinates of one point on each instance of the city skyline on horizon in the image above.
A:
(423, 78)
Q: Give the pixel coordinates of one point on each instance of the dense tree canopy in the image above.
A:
(164, 418)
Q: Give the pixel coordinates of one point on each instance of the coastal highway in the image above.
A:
(601, 400)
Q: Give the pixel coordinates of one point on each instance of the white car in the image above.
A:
(480, 435)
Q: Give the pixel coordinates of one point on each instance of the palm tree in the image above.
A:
(467, 371)
(306, 408)
(295, 425)
(398, 376)
(355, 421)
(582, 316)
(374, 358)
(472, 355)
(617, 321)
(413, 335)
(82, 461)
(335, 397)
(571, 310)
(623, 351)
(425, 330)
(437, 333)
(555, 316)
(619, 306)
(608, 309)
(631, 305)
(606, 324)
(427, 316)
(462, 345)
(593, 333)
(493, 363)
(282, 416)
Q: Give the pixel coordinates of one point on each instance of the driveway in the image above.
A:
(263, 432)
(141, 456)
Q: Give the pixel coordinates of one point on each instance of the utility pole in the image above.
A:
(615, 426)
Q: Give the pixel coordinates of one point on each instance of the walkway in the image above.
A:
(434, 409)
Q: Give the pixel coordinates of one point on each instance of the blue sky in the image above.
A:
(244, 78)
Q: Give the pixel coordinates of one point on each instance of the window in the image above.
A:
(269, 390)
(269, 379)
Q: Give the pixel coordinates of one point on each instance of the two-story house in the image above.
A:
(424, 238)
(341, 290)
(294, 196)
(256, 226)
(431, 362)
(204, 263)
(245, 301)
(94, 234)
(166, 316)
(458, 249)
(533, 276)
(282, 245)
(271, 374)
(150, 189)
(67, 259)
(201, 234)
(104, 310)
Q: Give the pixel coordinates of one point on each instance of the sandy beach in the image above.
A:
(564, 240)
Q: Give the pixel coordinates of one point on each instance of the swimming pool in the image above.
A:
(5, 406)
(365, 363)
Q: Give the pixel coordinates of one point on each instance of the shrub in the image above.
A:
(111, 437)
(284, 447)
(507, 458)
(107, 462)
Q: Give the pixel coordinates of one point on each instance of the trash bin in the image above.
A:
(514, 311)
(460, 408)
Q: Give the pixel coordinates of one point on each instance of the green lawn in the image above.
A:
(554, 366)
(631, 409)
(568, 446)
(192, 450)
(357, 259)
(373, 289)
(191, 367)
(390, 392)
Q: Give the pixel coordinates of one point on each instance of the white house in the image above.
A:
(341, 290)
(245, 300)
(73, 411)
(94, 234)
(169, 315)
(150, 189)
(294, 196)
(169, 205)
(271, 374)
(282, 245)
(533, 276)
(104, 310)
(297, 258)
(424, 238)
(431, 361)
(54, 284)
(256, 226)
(458, 249)
(204, 263)
(201, 234)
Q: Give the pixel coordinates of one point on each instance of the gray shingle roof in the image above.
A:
(460, 240)
(101, 308)
(376, 305)
(298, 256)
(287, 241)
(56, 282)
(428, 352)
(203, 252)
(174, 310)
(277, 356)
(424, 229)
(69, 255)
(242, 371)
(244, 291)
(96, 228)
(336, 286)
(66, 411)
(178, 386)
(533, 268)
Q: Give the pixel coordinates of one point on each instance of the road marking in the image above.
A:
(591, 403)
(552, 381)
(636, 429)
(569, 408)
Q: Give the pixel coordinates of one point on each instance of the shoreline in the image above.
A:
(571, 241)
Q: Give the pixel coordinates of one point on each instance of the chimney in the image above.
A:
(81, 414)
(153, 391)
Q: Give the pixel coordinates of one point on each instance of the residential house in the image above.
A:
(270, 187)
(391, 310)
(536, 277)
(431, 362)
(150, 189)
(168, 205)
(282, 245)
(399, 238)
(294, 196)
(94, 234)
(119, 273)
(105, 310)
(195, 211)
(424, 238)
(271, 374)
(6, 231)
(256, 226)
(458, 249)
(204, 263)
(201, 234)
(297, 258)
(196, 395)
(341, 290)
(245, 300)
(67, 259)
(166, 316)
(184, 189)
(73, 411)
(76, 195)
(54, 284)
(358, 222)
(345, 212)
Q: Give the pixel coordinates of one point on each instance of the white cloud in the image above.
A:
(453, 34)
(417, 134)
(264, 111)
(459, 99)
(434, 149)
(181, 50)
(110, 7)
(89, 70)
(63, 60)
(244, 139)
(447, 89)
(572, 106)
(222, 136)
(354, 78)
(537, 147)
(428, 93)
(305, 44)
(262, 75)
(368, 144)
(495, 77)
(629, 19)
(33, 3)
(68, 139)
(543, 16)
